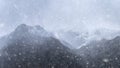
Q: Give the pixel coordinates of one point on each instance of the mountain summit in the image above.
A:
(24, 29)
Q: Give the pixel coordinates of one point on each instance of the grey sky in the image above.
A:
(55, 15)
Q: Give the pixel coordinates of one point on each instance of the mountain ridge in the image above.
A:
(26, 49)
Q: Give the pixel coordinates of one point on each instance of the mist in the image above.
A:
(61, 15)
(59, 33)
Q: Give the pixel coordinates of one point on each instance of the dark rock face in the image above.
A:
(102, 54)
(33, 50)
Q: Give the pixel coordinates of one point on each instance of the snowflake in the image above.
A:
(105, 60)
(53, 67)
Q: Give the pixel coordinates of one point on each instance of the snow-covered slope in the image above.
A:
(73, 38)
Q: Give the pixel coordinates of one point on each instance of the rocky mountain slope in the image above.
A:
(33, 47)
(102, 54)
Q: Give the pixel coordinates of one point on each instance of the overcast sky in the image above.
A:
(55, 15)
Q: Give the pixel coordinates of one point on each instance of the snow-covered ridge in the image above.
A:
(77, 40)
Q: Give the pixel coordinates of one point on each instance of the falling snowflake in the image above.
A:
(105, 60)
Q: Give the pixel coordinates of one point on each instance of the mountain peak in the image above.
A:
(26, 28)
(23, 28)
(22, 25)
(38, 27)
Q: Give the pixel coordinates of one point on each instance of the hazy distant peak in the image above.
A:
(26, 28)
(23, 28)
(38, 27)
(22, 25)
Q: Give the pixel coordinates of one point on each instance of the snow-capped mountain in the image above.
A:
(78, 40)
(105, 33)
(102, 54)
(34, 47)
